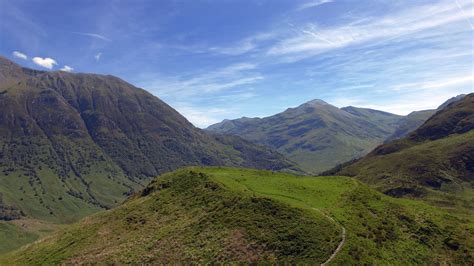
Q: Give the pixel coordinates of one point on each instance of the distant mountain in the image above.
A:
(435, 162)
(415, 119)
(320, 136)
(409, 123)
(71, 144)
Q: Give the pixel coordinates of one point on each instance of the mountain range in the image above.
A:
(72, 144)
(319, 136)
(95, 147)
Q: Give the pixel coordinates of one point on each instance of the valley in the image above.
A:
(318, 136)
(95, 170)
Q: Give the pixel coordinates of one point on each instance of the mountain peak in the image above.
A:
(316, 102)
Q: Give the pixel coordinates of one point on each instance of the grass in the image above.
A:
(242, 215)
(380, 229)
(433, 169)
(185, 216)
(12, 237)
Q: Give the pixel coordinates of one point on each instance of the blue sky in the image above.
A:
(216, 59)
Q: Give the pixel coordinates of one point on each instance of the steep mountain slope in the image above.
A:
(415, 119)
(436, 161)
(409, 123)
(71, 144)
(316, 135)
(224, 215)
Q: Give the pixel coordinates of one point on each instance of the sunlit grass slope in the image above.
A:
(242, 215)
(380, 229)
(187, 216)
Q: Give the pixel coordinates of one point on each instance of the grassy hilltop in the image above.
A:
(242, 215)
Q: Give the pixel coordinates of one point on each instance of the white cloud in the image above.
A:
(20, 55)
(312, 39)
(313, 3)
(98, 56)
(45, 62)
(67, 69)
(203, 117)
(93, 35)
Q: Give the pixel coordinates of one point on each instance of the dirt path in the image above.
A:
(341, 244)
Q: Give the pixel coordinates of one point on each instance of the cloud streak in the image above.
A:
(312, 40)
(20, 55)
(211, 82)
(93, 35)
(313, 3)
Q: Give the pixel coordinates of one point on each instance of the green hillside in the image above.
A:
(72, 144)
(319, 136)
(239, 215)
(435, 162)
(316, 135)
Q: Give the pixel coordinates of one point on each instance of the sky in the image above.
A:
(224, 59)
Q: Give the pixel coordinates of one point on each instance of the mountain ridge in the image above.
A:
(318, 135)
(434, 162)
(65, 137)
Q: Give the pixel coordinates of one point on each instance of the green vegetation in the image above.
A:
(242, 215)
(74, 144)
(380, 229)
(185, 216)
(17, 233)
(423, 171)
(435, 162)
(319, 136)
(12, 237)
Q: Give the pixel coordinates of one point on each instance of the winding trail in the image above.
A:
(343, 235)
(341, 244)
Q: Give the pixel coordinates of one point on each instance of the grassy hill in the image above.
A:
(435, 162)
(72, 144)
(240, 215)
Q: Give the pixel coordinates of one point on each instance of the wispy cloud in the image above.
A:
(67, 68)
(93, 35)
(98, 56)
(243, 46)
(45, 62)
(465, 15)
(405, 97)
(20, 55)
(311, 39)
(312, 3)
(225, 78)
(238, 49)
(461, 80)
